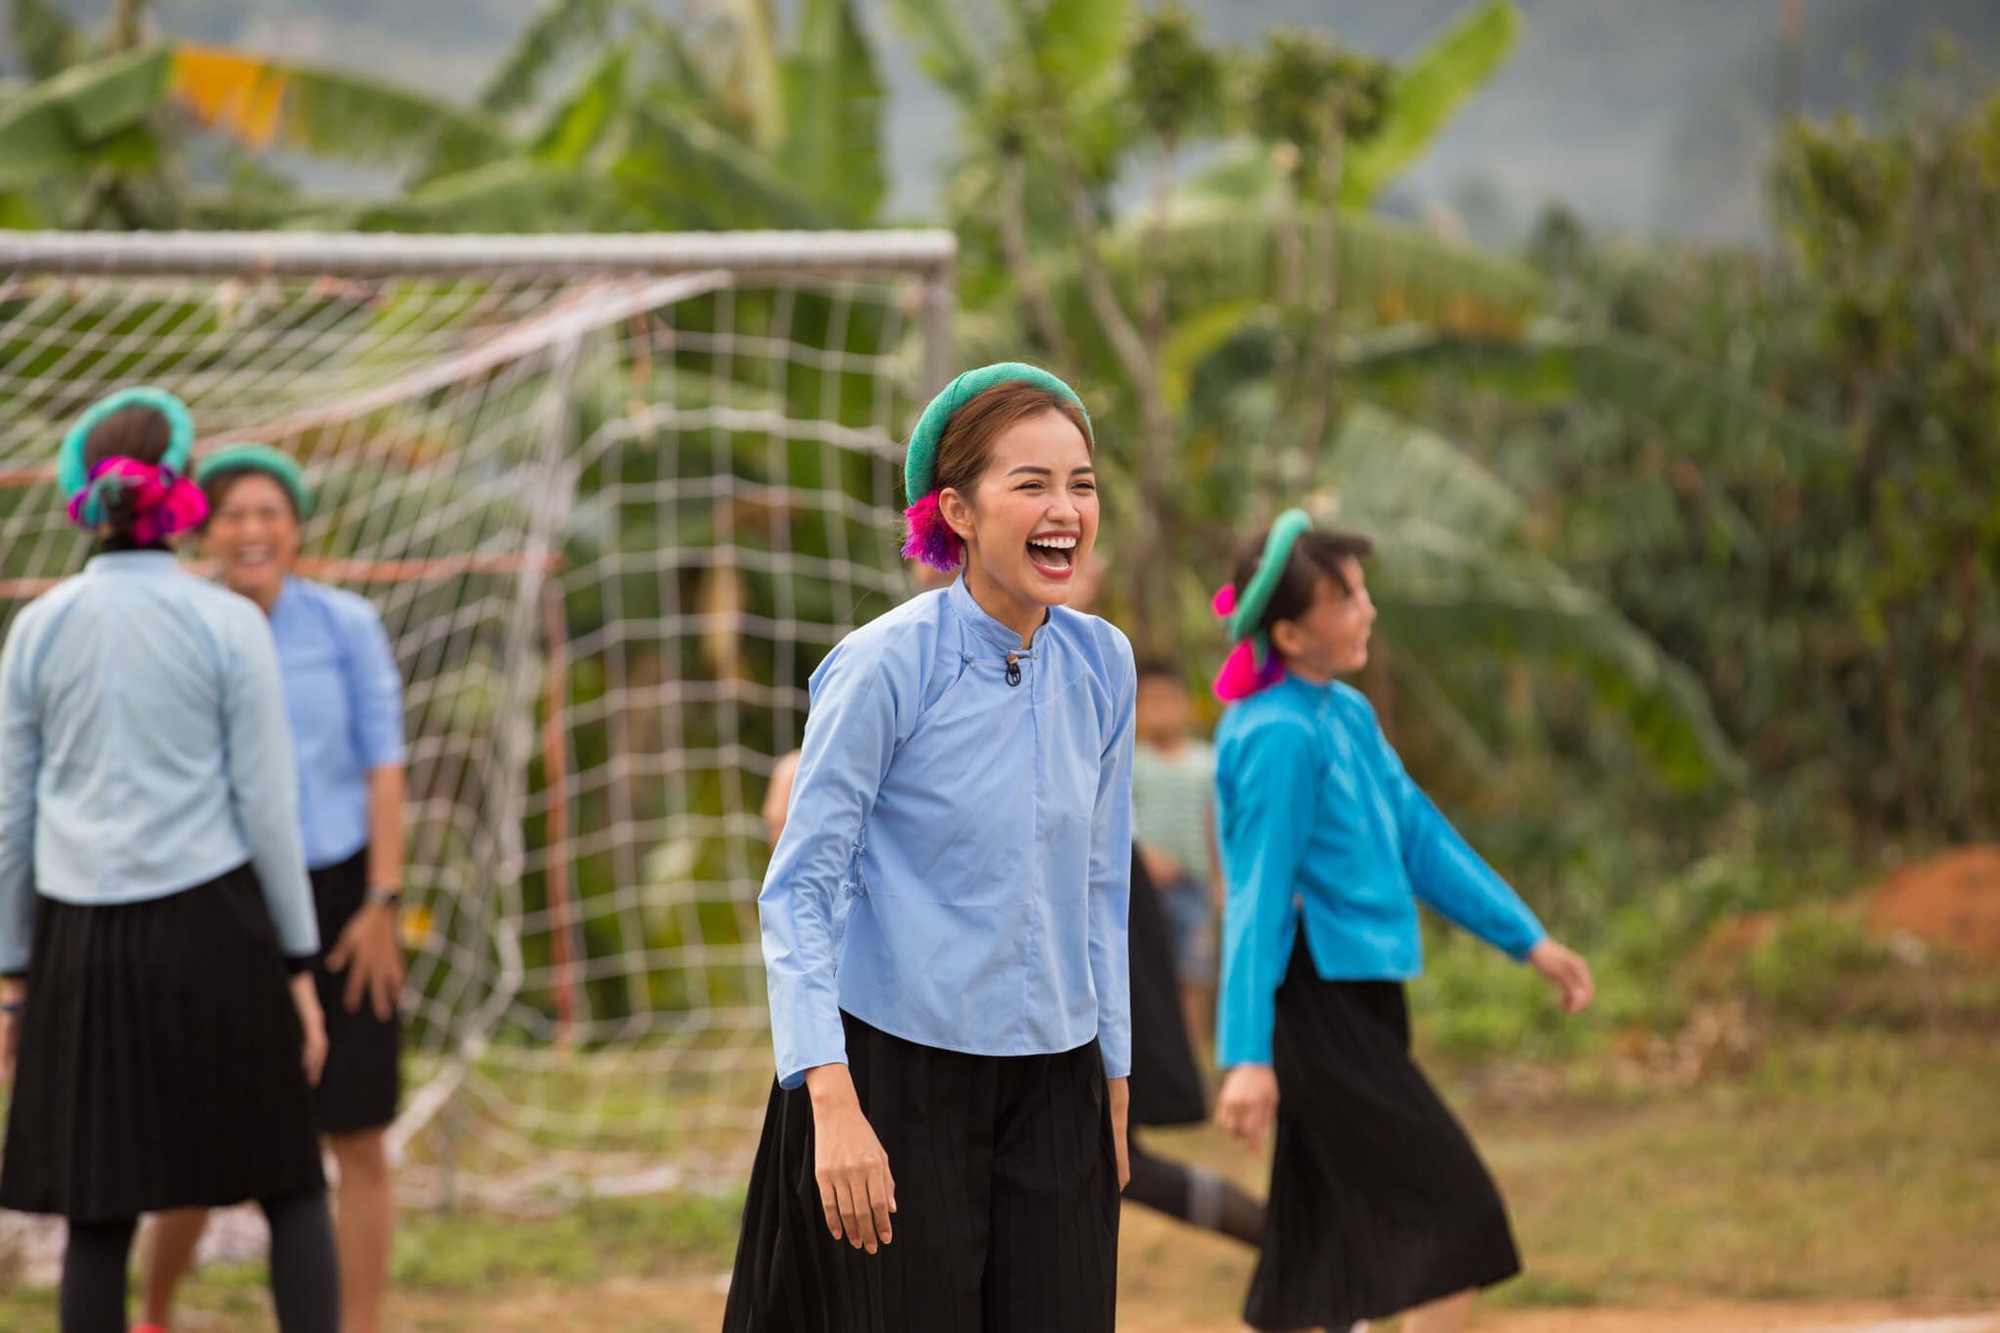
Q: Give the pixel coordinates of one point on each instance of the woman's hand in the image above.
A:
(1568, 971)
(305, 998)
(1248, 1103)
(13, 995)
(855, 1188)
(1120, 1092)
(1161, 866)
(372, 956)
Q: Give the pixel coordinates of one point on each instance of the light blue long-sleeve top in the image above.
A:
(956, 863)
(1320, 824)
(344, 697)
(144, 750)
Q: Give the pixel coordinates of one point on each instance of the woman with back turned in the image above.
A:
(156, 929)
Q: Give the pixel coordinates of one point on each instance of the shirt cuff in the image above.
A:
(297, 963)
(797, 1078)
(811, 1043)
(1519, 948)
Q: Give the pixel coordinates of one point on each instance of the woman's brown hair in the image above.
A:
(136, 432)
(966, 446)
(1318, 553)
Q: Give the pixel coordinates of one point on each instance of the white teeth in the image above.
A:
(1059, 543)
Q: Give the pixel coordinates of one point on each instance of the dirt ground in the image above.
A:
(1172, 1281)
(662, 1306)
(1952, 901)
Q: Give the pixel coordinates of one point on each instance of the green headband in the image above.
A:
(72, 475)
(273, 463)
(920, 465)
(1251, 601)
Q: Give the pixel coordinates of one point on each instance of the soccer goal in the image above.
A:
(614, 496)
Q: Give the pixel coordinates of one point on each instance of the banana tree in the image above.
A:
(716, 120)
(1225, 308)
(99, 138)
(712, 122)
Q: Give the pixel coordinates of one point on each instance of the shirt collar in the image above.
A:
(128, 562)
(975, 619)
(1316, 695)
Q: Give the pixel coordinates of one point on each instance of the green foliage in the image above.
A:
(1426, 91)
(1314, 94)
(341, 116)
(715, 124)
(1175, 81)
(1078, 43)
(1811, 962)
(1782, 467)
(560, 28)
(79, 118)
(949, 52)
(580, 124)
(832, 149)
(48, 42)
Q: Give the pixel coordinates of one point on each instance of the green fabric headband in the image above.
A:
(71, 473)
(920, 465)
(273, 463)
(1251, 601)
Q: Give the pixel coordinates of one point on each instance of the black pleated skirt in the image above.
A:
(1006, 1201)
(1166, 1085)
(1379, 1201)
(362, 1081)
(159, 1064)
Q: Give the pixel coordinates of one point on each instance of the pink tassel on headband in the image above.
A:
(1240, 676)
(163, 503)
(930, 539)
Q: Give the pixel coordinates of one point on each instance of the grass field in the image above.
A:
(1838, 1179)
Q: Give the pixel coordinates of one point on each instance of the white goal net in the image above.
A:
(614, 497)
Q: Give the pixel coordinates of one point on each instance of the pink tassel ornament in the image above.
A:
(1240, 676)
(930, 538)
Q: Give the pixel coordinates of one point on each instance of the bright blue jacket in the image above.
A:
(1320, 824)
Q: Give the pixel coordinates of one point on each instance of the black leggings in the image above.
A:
(305, 1276)
(1194, 1194)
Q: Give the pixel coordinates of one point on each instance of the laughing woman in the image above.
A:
(944, 919)
(345, 702)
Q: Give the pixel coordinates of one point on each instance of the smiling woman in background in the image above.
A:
(345, 702)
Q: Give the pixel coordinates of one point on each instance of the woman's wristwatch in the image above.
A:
(386, 895)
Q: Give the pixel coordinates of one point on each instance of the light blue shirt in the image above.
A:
(144, 750)
(957, 860)
(345, 699)
(1320, 823)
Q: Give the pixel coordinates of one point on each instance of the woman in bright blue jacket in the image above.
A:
(1379, 1203)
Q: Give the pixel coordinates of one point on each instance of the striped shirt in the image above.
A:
(1173, 803)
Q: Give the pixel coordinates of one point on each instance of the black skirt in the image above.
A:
(1166, 1086)
(362, 1082)
(1378, 1200)
(1006, 1201)
(159, 1060)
